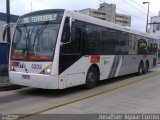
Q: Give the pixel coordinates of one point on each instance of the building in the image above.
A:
(108, 12)
(155, 25)
(155, 30)
(13, 19)
(124, 20)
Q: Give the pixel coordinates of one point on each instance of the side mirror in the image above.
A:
(4, 34)
(6, 26)
(66, 38)
(67, 35)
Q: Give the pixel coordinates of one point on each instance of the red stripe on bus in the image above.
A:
(14, 56)
(40, 57)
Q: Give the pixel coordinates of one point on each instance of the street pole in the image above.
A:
(8, 28)
(8, 21)
(31, 6)
(147, 16)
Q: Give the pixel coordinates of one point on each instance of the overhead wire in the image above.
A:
(133, 6)
(130, 14)
(142, 7)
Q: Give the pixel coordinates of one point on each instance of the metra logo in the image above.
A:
(22, 65)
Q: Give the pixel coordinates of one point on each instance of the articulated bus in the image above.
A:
(57, 49)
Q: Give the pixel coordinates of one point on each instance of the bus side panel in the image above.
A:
(75, 73)
(128, 64)
(105, 66)
(119, 65)
(109, 65)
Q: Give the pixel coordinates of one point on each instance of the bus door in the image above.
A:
(71, 52)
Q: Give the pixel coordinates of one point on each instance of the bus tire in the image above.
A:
(140, 68)
(146, 68)
(91, 78)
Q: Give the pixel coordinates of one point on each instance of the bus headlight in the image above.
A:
(47, 70)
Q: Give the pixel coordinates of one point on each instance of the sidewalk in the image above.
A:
(4, 81)
(4, 76)
(5, 84)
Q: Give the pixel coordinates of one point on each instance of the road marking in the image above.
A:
(86, 97)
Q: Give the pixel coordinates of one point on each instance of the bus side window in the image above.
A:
(76, 39)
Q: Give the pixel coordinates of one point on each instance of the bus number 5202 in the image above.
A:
(36, 66)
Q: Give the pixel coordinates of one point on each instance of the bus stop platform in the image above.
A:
(140, 97)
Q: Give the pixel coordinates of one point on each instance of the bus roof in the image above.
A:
(42, 12)
(92, 20)
(100, 22)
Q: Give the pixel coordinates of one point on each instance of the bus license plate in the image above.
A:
(26, 76)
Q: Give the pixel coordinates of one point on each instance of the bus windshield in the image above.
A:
(35, 41)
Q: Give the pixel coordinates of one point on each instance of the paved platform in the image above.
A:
(4, 82)
(4, 79)
(140, 97)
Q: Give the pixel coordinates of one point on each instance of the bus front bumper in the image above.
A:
(34, 80)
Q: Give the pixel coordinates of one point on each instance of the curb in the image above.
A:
(9, 86)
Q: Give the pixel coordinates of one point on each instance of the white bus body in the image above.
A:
(35, 66)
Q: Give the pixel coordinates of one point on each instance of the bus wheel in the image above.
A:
(92, 78)
(146, 67)
(140, 68)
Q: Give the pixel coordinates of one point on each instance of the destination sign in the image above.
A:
(40, 18)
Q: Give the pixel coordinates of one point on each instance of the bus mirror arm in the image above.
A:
(6, 26)
(70, 35)
(67, 39)
(4, 34)
(62, 43)
(70, 26)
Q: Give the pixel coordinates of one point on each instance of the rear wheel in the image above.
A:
(140, 68)
(92, 78)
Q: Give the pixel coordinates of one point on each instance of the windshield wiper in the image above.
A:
(27, 31)
(39, 32)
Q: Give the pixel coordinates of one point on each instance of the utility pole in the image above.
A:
(147, 16)
(8, 21)
(8, 28)
(31, 6)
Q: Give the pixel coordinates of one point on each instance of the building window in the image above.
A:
(158, 27)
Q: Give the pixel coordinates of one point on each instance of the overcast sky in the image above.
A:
(135, 8)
